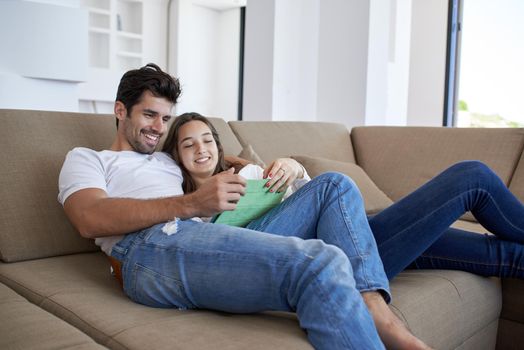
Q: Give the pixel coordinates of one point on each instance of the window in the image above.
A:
(485, 64)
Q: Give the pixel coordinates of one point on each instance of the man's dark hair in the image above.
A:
(148, 78)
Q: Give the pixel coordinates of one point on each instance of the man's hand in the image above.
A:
(220, 193)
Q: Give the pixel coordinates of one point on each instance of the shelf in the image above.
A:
(129, 16)
(129, 54)
(115, 31)
(97, 4)
(99, 11)
(97, 30)
(99, 20)
(129, 35)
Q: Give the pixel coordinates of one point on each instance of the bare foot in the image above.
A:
(392, 331)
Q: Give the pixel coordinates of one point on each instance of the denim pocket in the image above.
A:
(154, 289)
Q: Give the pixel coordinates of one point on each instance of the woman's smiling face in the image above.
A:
(197, 149)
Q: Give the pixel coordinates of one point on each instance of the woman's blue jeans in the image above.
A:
(415, 233)
(317, 253)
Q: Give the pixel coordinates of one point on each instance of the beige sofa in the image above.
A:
(53, 281)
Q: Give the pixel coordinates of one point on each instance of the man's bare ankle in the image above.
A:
(392, 331)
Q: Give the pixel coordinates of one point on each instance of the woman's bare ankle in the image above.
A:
(391, 329)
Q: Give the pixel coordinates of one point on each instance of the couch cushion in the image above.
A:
(400, 159)
(227, 138)
(446, 308)
(79, 289)
(442, 307)
(272, 140)
(26, 326)
(32, 222)
(249, 153)
(374, 199)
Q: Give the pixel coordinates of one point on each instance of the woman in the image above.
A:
(414, 232)
(196, 171)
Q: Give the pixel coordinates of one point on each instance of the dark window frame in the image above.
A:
(241, 63)
(454, 36)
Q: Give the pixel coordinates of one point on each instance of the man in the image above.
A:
(129, 199)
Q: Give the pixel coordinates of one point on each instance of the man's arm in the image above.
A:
(94, 214)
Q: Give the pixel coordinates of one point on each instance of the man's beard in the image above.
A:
(139, 146)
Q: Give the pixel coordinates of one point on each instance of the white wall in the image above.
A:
(342, 72)
(348, 61)
(388, 62)
(258, 60)
(36, 69)
(206, 45)
(227, 65)
(295, 60)
(155, 32)
(427, 63)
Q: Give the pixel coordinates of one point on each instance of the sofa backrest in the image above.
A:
(272, 140)
(400, 159)
(32, 222)
(517, 181)
(227, 137)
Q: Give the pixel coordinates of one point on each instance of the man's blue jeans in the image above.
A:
(319, 254)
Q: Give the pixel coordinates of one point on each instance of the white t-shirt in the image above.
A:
(121, 174)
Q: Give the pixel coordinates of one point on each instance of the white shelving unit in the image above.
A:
(122, 35)
(115, 32)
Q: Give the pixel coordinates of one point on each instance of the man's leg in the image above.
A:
(420, 223)
(330, 208)
(242, 271)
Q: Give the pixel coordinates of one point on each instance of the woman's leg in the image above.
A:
(213, 266)
(330, 208)
(482, 254)
(421, 220)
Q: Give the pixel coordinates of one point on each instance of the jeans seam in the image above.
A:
(468, 261)
(501, 213)
(353, 238)
(332, 311)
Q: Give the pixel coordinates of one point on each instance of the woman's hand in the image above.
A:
(282, 172)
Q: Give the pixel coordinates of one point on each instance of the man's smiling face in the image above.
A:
(146, 123)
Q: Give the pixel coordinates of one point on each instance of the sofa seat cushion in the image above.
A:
(26, 326)
(447, 308)
(442, 307)
(79, 289)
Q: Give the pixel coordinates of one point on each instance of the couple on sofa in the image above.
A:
(316, 254)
